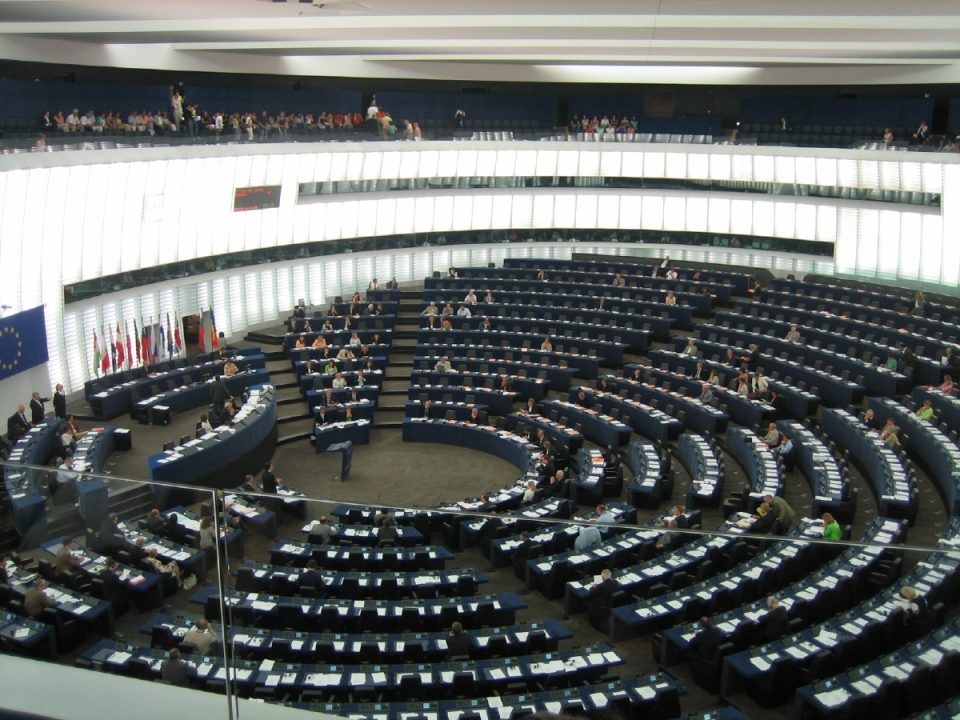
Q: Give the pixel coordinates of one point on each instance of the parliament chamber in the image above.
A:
(517, 418)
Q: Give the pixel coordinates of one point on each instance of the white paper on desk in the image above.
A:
(833, 698)
(204, 670)
(497, 674)
(119, 657)
(379, 677)
(862, 686)
(289, 678)
(514, 671)
(263, 605)
(931, 656)
(244, 674)
(895, 672)
(494, 701)
(358, 679)
(646, 692)
(81, 609)
(446, 676)
(221, 673)
(796, 652)
(296, 644)
(266, 665)
(598, 699)
(273, 680)
(760, 664)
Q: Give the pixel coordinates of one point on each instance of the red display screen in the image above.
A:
(256, 198)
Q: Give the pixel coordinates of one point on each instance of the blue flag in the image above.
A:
(23, 342)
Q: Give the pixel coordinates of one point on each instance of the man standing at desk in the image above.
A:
(268, 480)
(37, 410)
(60, 402)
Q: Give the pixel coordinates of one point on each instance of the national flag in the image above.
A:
(126, 331)
(169, 337)
(214, 339)
(145, 343)
(96, 354)
(178, 341)
(202, 332)
(113, 352)
(105, 358)
(160, 340)
(120, 354)
(136, 335)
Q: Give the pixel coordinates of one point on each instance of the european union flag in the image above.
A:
(23, 342)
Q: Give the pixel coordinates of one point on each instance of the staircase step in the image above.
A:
(264, 338)
(388, 424)
(291, 418)
(290, 384)
(294, 437)
(289, 401)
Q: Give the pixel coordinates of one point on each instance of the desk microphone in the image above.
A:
(5, 307)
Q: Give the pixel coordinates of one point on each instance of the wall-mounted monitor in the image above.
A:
(261, 197)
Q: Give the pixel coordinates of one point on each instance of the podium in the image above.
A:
(346, 456)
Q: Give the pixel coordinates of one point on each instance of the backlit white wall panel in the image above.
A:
(79, 216)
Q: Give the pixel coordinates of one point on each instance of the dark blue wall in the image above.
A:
(439, 105)
(25, 98)
(888, 112)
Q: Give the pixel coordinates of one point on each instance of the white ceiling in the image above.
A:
(768, 42)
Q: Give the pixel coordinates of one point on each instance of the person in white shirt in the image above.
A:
(355, 340)
(772, 438)
(691, 348)
(201, 635)
(443, 365)
(464, 311)
(671, 274)
(546, 345)
(73, 120)
(793, 335)
(759, 383)
(470, 299)
(430, 309)
(530, 493)
(339, 382)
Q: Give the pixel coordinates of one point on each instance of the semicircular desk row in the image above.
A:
(37, 447)
(194, 460)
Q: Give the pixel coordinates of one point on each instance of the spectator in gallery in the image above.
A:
(784, 125)
(619, 281)
(488, 297)
(460, 117)
(470, 298)
(430, 309)
(922, 134)
(918, 302)
(464, 311)
(925, 411)
(546, 345)
(887, 136)
(691, 348)
(793, 335)
(670, 299)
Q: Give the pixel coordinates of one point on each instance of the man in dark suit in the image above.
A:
(764, 520)
(110, 538)
(177, 672)
(774, 623)
(112, 587)
(37, 409)
(458, 642)
(312, 577)
(268, 480)
(601, 596)
(706, 642)
(60, 402)
(17, 424)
